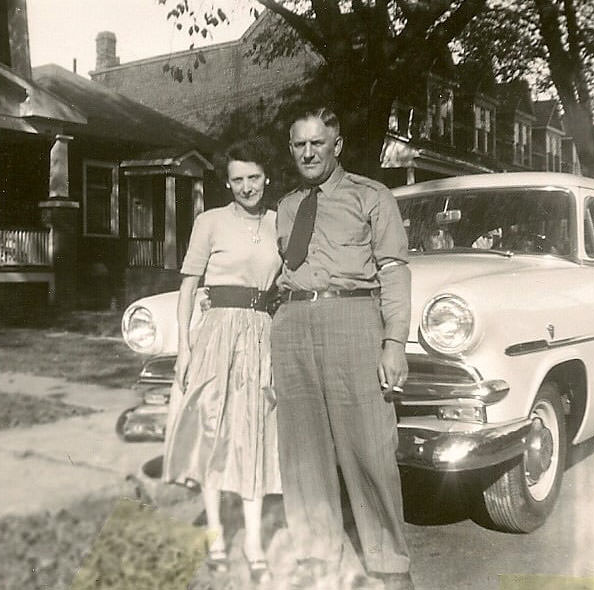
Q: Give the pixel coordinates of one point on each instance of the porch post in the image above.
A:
(170, 244)
(60, 214)
(197, 196)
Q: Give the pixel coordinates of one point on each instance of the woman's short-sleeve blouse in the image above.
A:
(222, 249)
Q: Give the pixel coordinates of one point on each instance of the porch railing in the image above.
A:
(25, 247)
(145, 252)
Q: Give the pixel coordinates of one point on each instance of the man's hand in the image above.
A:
(393, 368)
(205, 303)
(181, 368)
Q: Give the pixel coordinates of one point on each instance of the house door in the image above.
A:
(146, 214)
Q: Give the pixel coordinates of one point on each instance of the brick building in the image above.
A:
(468, 124)
(223, 78)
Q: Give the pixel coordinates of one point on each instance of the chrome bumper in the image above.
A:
(459, 451)
(423, 441)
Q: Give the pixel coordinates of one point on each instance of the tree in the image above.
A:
(376, 51)
(568, 34)
(550, 42)
(372, 51)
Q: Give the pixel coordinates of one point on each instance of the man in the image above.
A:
(338, 339)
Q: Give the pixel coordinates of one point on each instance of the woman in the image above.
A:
(224, 434)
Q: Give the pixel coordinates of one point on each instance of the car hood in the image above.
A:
(472, 274)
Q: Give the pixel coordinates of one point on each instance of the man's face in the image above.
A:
(315, 149)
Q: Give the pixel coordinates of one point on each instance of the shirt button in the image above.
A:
(315, 274)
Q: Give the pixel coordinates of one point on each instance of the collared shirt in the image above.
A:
(358, 242)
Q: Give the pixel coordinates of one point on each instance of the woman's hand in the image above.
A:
(181, 368)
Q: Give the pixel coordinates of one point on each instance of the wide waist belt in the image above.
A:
(231, 296)
(326, 294)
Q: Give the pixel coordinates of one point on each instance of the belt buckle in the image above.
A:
(315, 296)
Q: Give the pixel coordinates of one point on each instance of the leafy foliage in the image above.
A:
(373, 51)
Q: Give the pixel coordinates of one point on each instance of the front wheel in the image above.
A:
(520, 498)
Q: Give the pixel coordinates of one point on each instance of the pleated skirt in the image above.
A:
(222, 433)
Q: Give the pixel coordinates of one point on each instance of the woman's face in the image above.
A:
(247, 181)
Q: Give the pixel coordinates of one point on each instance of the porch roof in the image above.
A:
(399, 154)
(23, 101)
(164, 157)
(113, 116)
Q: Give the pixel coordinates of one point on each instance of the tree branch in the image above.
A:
(457, 21)
(302, 25)
(382, 16)
(559, 60)
(575, 52)
(328, 17)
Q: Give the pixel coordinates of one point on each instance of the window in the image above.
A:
(400, 121)
(484, 123)
(440, 113)
(553, 150)
(100, 194)
(589, 227)
(522, 144)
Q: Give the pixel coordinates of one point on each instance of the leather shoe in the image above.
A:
(396, 581)
(307, 573)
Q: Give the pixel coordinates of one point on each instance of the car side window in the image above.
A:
(589, 226)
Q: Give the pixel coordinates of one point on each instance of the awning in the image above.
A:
(167, 161)
(397, 153)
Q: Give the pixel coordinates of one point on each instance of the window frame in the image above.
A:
(521, 158)
(434, 120)
(484, 128)
(114, 198)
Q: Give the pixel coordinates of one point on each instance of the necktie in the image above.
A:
(302, 230)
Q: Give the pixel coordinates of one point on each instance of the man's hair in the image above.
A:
(324, 113)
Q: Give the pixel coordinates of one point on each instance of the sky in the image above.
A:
(62, 30)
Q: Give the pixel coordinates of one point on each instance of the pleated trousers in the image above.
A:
(331, 413)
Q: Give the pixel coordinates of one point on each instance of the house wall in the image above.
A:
(225, 80)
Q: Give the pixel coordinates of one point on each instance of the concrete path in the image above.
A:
(52, 466)
(49, 466)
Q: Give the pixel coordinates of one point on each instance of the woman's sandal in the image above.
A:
(217, 561)
(259, 570)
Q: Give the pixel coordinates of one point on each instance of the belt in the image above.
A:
(326, 294)
(231, 296)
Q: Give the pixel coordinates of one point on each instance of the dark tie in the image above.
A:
(302, 230)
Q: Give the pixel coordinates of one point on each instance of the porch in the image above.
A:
(26, 257)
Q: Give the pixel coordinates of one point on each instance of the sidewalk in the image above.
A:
(50, 466)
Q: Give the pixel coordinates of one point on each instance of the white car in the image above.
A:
(501, 345)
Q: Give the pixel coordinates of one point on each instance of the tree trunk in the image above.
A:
(581, 128)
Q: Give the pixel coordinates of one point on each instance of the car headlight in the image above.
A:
(447, 325)
(139, 329)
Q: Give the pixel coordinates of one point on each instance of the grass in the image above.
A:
(83, 346)
(26, 410)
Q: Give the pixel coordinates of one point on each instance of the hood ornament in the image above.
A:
(551, 331)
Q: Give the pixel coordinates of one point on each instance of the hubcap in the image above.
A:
(541, 455)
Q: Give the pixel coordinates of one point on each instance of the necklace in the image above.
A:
(256, 238)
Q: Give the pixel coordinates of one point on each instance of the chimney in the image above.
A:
(106, 51)
(14, 35)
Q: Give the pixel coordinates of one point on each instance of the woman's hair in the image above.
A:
(253, 149)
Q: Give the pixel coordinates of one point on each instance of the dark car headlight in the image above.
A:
(448, 324)
(139, 329)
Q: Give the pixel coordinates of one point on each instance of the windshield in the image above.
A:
(518, 220)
